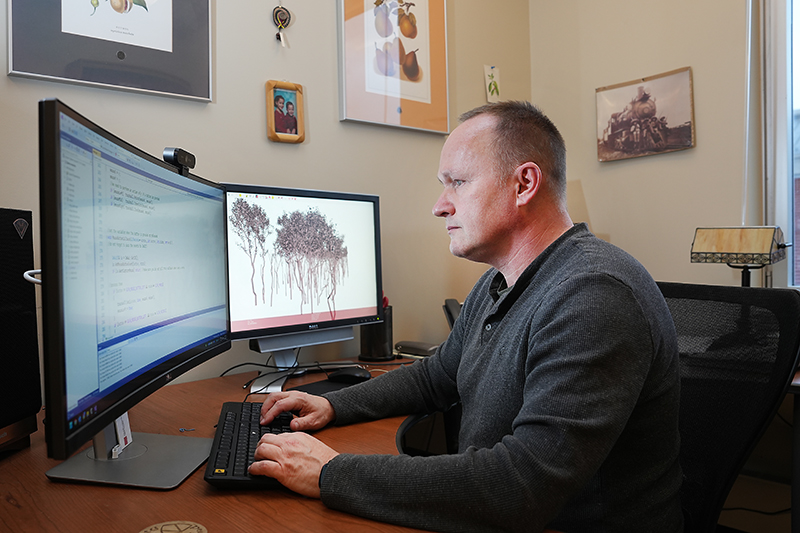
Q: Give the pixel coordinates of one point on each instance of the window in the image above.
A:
(793, 198)
(781, 130)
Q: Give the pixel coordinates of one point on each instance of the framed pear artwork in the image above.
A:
(393, 63)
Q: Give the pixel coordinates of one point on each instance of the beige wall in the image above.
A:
(649, 206)
(554, 53)
(228, 136)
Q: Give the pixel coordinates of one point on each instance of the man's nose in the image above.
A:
(443, 207)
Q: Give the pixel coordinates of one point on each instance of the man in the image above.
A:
(564, 359)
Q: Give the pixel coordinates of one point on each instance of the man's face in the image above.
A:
(477, 205)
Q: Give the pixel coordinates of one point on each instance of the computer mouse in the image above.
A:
(350, 375)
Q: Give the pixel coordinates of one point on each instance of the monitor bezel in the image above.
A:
(61, 442)
(379, 317)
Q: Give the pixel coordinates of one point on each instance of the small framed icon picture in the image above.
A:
(285, 120)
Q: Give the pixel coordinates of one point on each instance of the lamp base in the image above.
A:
(746, 272)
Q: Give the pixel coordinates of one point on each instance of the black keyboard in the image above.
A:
(235, 441)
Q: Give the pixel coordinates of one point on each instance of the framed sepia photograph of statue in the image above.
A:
(647, 116)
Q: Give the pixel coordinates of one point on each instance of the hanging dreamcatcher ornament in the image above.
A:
(281, 18)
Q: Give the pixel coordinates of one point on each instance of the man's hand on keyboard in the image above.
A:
(315, 412)
(294, 459)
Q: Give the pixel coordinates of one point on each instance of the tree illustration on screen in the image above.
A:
(251, 225)
(314, 257)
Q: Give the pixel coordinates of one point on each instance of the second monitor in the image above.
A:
(304, 267)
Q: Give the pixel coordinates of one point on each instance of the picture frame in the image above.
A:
(285, 117)
(647, 116)
(160, 47)
(393, 63)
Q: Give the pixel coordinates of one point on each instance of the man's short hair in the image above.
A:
(523, 133)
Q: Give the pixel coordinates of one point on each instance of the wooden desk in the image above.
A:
(29, 502)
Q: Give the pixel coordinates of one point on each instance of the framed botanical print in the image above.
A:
(154, 46)
(393, 63)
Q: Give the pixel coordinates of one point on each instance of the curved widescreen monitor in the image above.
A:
(303, 266)
(134, 288)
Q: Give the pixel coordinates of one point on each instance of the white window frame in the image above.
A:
(777, 128)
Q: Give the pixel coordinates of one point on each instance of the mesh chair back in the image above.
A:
(738, 353)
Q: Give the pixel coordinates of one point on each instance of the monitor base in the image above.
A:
(151, 461)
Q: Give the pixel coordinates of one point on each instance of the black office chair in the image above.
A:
(738, 353)
(451, 309)
(435, 433)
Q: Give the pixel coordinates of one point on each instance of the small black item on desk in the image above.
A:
(350, 375)
(376, 339)
(424, 349)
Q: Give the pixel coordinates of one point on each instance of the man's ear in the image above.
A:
(528, 182)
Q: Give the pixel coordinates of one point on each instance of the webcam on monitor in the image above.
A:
(180, 158)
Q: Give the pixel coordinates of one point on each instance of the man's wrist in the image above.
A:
(322, 473)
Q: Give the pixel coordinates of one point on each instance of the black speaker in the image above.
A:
(20, 391)
(376, 339)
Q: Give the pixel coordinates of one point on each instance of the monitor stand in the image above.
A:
(282, 348)
(284, 360)
(150, 461)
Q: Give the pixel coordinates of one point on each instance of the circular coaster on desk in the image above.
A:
(175, 526)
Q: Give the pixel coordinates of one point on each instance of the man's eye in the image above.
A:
(457, 183)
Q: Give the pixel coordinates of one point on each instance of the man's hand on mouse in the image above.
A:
(315, 412)
(294, 459)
